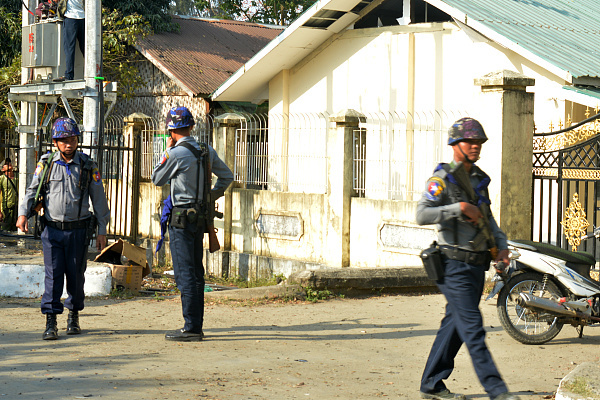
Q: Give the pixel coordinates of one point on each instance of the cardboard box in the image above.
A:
(127, 276)
(127, 262)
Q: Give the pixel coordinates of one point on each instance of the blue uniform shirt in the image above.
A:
(437, 207)
(61, 202)
(179, 166)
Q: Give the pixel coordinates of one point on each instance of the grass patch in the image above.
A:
(314, 295)
(243, 283)
(579, 385)
(122, 294)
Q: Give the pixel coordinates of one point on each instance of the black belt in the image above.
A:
(67, 226)
(470, 257)
(190, 205)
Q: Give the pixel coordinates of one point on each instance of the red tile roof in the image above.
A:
(205, 52)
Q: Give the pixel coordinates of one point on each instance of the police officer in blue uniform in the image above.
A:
(71, 180)
(445, 204)
(181, 167)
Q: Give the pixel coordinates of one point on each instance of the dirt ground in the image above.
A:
(337, 349)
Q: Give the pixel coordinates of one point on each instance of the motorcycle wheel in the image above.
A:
(522, 324)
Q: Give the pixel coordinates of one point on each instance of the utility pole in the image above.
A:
(92, 68)
(26, 138)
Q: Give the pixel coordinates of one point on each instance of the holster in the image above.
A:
(432, 261)
(92, 223)
(181, 217)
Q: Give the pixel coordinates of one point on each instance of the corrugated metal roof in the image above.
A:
(564, 33)
(204, 53)
(561, 36)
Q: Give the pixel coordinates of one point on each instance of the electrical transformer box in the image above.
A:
(40, 45)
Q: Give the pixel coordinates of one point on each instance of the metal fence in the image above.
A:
(117, 157)
(282, 152)
(9, 145)
(395, 153)
(566, 171)
(154, 139)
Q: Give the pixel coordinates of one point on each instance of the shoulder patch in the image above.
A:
(164, 158)
(435, 187)
(96, 176)
(38, 169)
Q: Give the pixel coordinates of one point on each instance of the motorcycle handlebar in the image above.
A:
(595, 233)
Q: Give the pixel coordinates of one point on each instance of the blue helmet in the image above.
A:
(465, 128)
(179, 117)
(64, 127)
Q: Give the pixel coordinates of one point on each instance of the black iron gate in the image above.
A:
(566, 176)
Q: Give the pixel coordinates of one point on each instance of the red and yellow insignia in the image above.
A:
(96, 176)
(38, 168)
(435, 187)
(164, 158)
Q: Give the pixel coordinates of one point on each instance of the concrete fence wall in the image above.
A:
(275, 232)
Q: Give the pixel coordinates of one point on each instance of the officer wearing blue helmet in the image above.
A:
(446, 204)
(67, 180)
(182, 165)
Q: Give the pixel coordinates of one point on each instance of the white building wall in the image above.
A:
(367, 70)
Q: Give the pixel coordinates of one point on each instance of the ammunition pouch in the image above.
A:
(182, 217)
(432, 261)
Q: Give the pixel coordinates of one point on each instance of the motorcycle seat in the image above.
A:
(573, 257)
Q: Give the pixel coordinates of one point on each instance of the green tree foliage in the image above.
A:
(119, 34)
(10, 35)
(123, 22)
(155, 12)
(277, 12)
(10, 75)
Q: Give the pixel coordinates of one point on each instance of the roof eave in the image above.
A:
(296, 25)
(165, 71)
(501, 40)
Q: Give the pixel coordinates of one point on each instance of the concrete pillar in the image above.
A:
(134, 124)
(340, 159)
(506, 114)
(224, 142)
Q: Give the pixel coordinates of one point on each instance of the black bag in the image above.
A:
(432, 261)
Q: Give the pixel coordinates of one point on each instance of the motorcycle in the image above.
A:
(544, 288)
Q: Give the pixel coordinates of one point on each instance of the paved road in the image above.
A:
(339, 349)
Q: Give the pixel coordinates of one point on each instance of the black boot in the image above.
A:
(73, 323)
(51, 332)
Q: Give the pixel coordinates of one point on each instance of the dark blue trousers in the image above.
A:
(65, 254)
(462, 286)
(73, 31)
(186, 251)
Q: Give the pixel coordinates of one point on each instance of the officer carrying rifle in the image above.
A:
(189, 213)
(456, 199)
(63, 184)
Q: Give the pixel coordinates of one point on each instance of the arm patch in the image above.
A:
(435, 187)
(38, 168)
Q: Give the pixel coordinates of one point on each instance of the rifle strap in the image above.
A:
(85, 177)
(45, 178)
(200, 155)
(455, 196)
(12, 183)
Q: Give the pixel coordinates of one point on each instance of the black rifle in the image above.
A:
(209, 199)
(483, 224)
